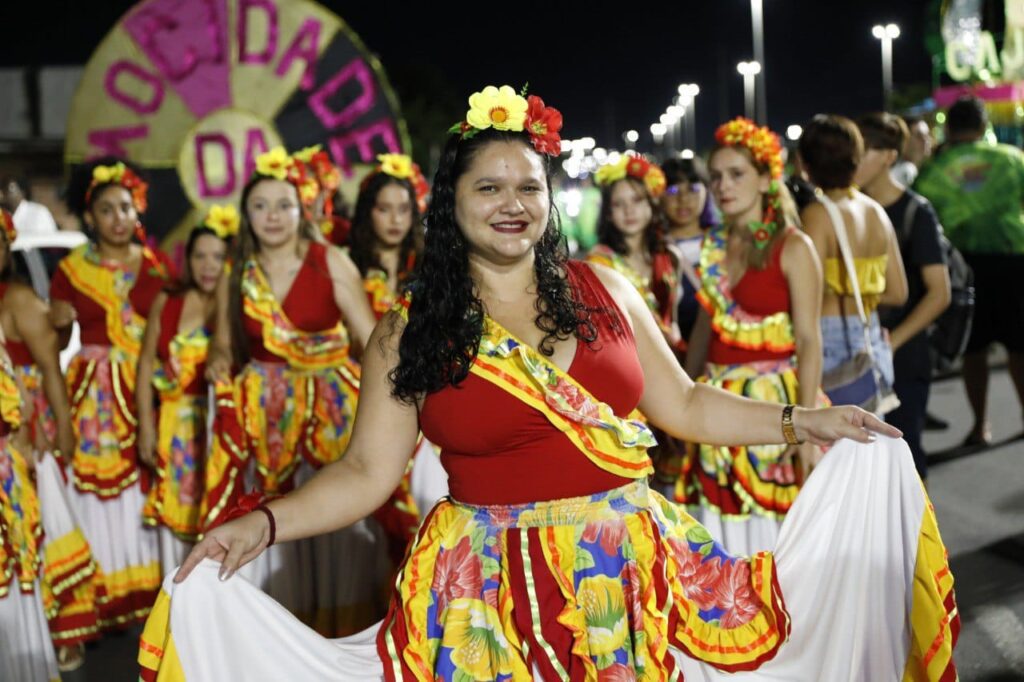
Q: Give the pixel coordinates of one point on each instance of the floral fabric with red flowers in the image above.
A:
(504, 109)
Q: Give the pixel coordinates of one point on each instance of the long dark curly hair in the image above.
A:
(363, 239)
(446, 316)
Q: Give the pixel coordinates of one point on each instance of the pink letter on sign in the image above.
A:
(108, 140)
(361, 139)
(242, 35)
(136, 105)
(185, 40)
(205, 188)
(364, 102)
(308, 52)
(255, 144)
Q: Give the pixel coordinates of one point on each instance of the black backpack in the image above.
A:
(950, 332)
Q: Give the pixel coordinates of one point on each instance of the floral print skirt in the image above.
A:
(596, 587)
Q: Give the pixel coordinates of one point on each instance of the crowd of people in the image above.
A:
(532, 484)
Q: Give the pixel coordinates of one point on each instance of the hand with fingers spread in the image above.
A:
(825, 426)
(234, 544)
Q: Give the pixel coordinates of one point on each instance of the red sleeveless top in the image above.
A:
(17, 350)
(309, 303)
(761, 292)
(170, 319)
(92, 318)
(498, 450)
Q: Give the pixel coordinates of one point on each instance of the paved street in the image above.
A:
(979, 499)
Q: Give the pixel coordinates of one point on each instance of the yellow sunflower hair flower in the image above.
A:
(306, 154)
(499, 108)
(224, 220)
(101, 175)
(274, 163)
(396, 165)
(612, 172)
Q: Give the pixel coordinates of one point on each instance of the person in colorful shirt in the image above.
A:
(552, 559)
(690, 211)
(173, 362)
(977, 190)
(757, 335)
(831, 148)
(68, 570)
(108, 286)
(26, 650)
(284, 319)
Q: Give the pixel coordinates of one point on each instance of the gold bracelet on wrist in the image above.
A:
(788, 432)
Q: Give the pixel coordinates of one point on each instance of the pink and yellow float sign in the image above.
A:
(194, 90)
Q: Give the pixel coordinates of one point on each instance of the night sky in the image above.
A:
(608, 66)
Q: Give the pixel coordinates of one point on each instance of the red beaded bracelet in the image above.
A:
(270, 518)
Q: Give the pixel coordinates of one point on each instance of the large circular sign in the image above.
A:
(194, 90)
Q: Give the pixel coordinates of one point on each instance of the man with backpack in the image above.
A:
(977, 189)
(920, 240)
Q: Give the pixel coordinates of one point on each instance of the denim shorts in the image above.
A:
(839, 346)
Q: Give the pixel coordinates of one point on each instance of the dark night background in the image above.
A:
(608, 66)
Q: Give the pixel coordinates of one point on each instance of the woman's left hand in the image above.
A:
(827, 425)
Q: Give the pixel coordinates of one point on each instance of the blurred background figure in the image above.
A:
(30, 217)
(917, 151)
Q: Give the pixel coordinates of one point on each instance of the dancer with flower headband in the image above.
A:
(108, 286)
(173, 361)
(320, 207)
(386, 242)
(289, 319)
(552, 559)
(68, 570)
(26, 649)
(757, 335)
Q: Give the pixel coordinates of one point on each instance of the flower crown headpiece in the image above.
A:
(279, 165)
(119, 174)
(7, 222)
(765, 147)
(635, 167)
(503, 109)
(223, 219)
(402, 167)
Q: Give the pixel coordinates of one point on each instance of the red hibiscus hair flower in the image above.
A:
(544, 124)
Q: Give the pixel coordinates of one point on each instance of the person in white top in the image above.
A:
(29, 216)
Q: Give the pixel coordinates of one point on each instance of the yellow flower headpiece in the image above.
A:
(7, 222)
(402, 167)
(396, 165)
(279, 165)
(635, 167)
(504, 109)
(119, 174)
(224, 220)
(762, 143)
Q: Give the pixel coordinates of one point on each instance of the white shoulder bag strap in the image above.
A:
(851, 272)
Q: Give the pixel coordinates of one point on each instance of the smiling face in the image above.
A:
(391, 215)
(737, 185)
(502, 201)
(206, 261)
(112, 215)
(273, 209)
(630, 208)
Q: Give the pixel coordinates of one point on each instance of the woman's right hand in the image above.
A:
(234, 544)
(147, 444)
(218, 366)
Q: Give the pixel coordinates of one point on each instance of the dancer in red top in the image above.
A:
(284, 319)
(616, 583)
(173, 362)
(108, 287)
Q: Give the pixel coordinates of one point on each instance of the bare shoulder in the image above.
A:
(21, 296)
(339, 261)
(798, 251)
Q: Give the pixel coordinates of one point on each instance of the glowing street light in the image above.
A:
(757, 25)
(794, 132)
(749, 71)
(886, 34)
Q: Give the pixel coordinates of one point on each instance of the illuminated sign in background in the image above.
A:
(971, 53)
(193, 90)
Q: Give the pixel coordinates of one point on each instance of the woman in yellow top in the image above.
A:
(831, 147)
(173, 361)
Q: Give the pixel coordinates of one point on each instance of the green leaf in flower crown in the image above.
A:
(526, 88)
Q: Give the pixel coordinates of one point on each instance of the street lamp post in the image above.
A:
(886, 34)
(688, 100)
(757, 22)
(631, 136)
(749, 71)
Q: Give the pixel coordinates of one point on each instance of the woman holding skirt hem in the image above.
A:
(551, 559)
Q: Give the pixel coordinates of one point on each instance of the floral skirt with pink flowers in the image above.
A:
(598, 587)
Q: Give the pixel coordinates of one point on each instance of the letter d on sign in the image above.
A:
(215, 171)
